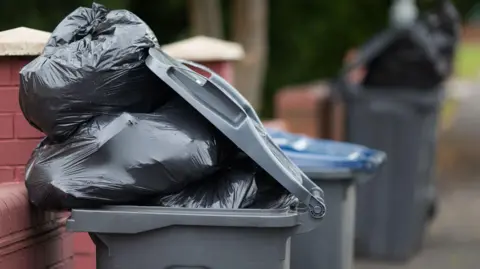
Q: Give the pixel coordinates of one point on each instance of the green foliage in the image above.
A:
(467, 65)
(44, 14)
(308, 38)
(167, 18)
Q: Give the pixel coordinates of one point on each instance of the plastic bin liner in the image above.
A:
(92, 64)
(232, 188)
(126, 158)
(241, 185)
(271, 194)
(317, 153)
(420, 57)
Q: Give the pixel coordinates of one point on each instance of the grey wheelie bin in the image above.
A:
(129, 237)
(337, 168)
(395, 207)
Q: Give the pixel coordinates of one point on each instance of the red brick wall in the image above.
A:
(471, 34)
(29, 238)
(17, 138)
(84, 250)
(309, 109)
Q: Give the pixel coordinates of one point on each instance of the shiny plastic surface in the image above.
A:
(230, 188)
(126, 158)
(92, 64)
(272, 195)
(240, 185)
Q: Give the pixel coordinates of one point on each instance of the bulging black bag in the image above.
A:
(126, 158)
(270, 194)
(229, 188)
(241, 185)
(92, 64)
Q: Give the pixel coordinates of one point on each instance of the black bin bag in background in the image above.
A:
(420, 57)
(92, 64)
(126, 158)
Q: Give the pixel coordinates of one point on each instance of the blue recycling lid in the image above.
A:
(327, 154)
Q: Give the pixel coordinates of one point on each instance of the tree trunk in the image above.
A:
(206, 18)
(250, 28)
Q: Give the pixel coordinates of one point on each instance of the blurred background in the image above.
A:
(286, 43)
(293, 50)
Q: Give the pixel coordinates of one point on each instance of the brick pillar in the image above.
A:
(218, 55)
(29, 238)
(17, 137)
(222, 68)
(309, 109)
(471, 33)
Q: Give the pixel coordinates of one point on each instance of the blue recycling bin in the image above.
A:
(335, 167)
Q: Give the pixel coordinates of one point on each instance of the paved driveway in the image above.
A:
(453, 241)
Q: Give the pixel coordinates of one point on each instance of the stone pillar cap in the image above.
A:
(205, 49)
(22, 41)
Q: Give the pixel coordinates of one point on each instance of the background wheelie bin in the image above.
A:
(335, 167)
(178, 238)
(395, 109)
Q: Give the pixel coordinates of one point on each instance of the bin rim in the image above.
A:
(138, 219)
(328, 156)
(312, 161)
(328, 174)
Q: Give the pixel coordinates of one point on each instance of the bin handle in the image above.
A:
(222, 83)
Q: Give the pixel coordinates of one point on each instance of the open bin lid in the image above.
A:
(229, 112)
(328, 158)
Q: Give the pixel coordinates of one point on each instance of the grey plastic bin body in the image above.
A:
(331, 245)
(392, 208)
(166, 238)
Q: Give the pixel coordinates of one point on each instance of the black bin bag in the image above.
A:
(93, 63)
(419, 57)
(270, 194)
(240, 185)
(126, 158)
(230, 188)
